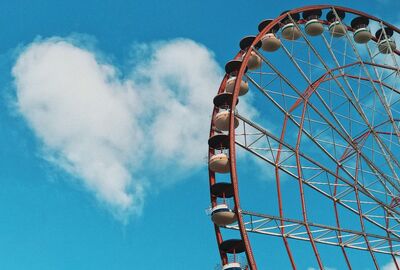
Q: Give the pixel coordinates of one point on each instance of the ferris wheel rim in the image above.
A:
(244, 56)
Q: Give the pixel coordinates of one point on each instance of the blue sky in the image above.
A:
(58, 214)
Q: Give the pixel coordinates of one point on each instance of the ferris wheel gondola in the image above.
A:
(327, 93)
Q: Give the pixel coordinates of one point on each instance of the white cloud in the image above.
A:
(178, 83)
(105, 130)
(390, 266)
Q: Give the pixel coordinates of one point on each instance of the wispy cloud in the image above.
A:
(390, 266)
(106, 131)
(177, 83)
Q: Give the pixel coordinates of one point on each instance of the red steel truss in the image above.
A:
(359, 171)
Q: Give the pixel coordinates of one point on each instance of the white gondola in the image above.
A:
(270, 42)
(290, 32)
(221, 121)
(254, 61)
(219, 163)
(222, 215)
(362, 35)
(230, 85)
(386, 46)
(313, 26)
(336, 27)
(385, 42)
(232, 266)
(361, 32)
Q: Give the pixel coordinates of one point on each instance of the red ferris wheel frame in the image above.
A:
(232, 153)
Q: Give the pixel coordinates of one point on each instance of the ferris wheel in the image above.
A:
(323, 129)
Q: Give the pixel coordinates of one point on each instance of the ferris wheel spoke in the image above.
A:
(361, 214)
(382, 145)
(322, 234)
(335, 144)
(329, 71)
(340, 129)
(384, 103)
(347, 137)
(300, 171)
(392, 53)
(316, 141)
(341, 202)
(392, 157)
(358, 108)
(352, 98)
(382, 84)
(372, 210)
(325, 120)
(266, 154)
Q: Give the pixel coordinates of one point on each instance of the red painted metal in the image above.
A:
(301, 100)
(349, 152)
(279, 193)
(394, 259)
(335, 206)
(211, 174)
(299, 173)
(232, 159)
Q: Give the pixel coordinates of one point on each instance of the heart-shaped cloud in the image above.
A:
(105, 130)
